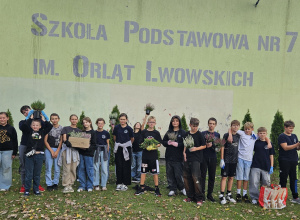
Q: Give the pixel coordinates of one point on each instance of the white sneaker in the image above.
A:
(223, 200)
(171, 193)
(254, 201)
(104, 188)
(124, 188)
(97, 188)
(66, 189)
(79, 190)
(3, 190)
(296, 201)
(230, 198)
(119, 187)
(90, 190)
(183, 191)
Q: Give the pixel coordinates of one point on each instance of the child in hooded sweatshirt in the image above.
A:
(173, 141)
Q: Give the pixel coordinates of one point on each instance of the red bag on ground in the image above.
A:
(273, 197)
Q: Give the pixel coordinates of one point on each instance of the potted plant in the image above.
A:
(113, 118)
(37, 106)
(188, 142)
(149, 108)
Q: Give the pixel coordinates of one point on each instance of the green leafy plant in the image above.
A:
(38, 105)
(276, 129)
(79, 134)
(183, 123)
(113, 115)
(247, 118)
(10, 119)
(79, 123)
(149, 144)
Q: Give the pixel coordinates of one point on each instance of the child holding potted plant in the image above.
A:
(35, 151)
(86, 166)
(173, 141)
(123, 137)
(69, 157)
(152, 140)
(194, 144)
(8, 151)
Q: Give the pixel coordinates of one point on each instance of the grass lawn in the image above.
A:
(124, 205)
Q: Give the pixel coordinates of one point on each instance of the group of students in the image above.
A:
(244, 154)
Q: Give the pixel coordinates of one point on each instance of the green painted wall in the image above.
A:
(250, 58)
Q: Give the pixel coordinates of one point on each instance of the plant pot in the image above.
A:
(37, 114)
(113, 121)
(148, 112)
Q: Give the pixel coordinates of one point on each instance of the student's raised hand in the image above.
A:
(271, 170)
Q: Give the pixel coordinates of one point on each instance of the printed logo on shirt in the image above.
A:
(153, 170)
(103, 136)
(3, 136)
(295, 141)
(36, 136)
(125, 131)
(179, 135)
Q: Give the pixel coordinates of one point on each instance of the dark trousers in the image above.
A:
(33, 169)
(174, 175)
(192, 183)
(123, 168)
(209, 164)
(289, 168)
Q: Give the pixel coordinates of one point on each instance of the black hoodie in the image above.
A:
(174, 154)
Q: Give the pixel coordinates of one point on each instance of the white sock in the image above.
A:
(244, 192)
(238, 191)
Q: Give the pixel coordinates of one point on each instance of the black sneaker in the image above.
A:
(26, 194)
(238, 198)
(210, 198)
(50, 188)
(139, 191)
(55, 187)
(37, 193)
(148, 188)
(157, 192)
(246, 199)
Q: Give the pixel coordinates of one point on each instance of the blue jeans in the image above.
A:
(49, 162)
(22, 149)
(136, 164)
(86, 172)
(243, 169)
(5, 169)
(104, 171)
(33, 168)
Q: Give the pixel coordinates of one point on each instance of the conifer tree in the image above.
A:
(10, 120)
(247, 118)
(111, 141)
(276, 129)
(183, 123)
(79, 123)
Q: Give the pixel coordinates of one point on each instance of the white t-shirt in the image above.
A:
(246, 145)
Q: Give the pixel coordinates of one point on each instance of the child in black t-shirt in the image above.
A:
(228, 163)
(35, 151)
(123, 137)
(173, 141)
(191, 168)
(101, 155)
(150, 158)
(262, 165)
(137, 151)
